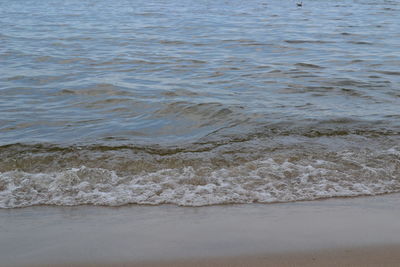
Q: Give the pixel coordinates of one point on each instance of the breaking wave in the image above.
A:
(250, 172)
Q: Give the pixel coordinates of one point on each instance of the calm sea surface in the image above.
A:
(197, 102)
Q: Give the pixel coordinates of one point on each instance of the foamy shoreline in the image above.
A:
(352, 231)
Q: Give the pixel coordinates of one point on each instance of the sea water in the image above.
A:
(194, 102)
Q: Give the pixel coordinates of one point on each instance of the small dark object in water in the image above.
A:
(300, 4)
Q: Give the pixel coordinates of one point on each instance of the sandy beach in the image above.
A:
(372, 256)
(360, 231)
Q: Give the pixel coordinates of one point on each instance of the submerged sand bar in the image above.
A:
(364, 230)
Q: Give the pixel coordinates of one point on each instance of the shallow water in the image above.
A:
(197, 102)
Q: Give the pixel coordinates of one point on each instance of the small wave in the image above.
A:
(45, 59)
(348, 82)
(150, 14)
(307, 42)
(75, 60)
(173, 42)
(261, 181)
(389, 72)
(38, 80)
(195, 111)
(308, 65)
(180, 92)
(360, 43)
(98, 89)
(210, 177)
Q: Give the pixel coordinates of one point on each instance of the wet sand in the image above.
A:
(372, 256)
(346, 232)
(367, 256)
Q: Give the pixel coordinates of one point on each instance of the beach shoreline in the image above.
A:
(352, 256)
(333, 232)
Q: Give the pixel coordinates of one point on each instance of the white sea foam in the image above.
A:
(263, 181)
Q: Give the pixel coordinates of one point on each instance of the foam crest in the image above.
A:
(266, 180)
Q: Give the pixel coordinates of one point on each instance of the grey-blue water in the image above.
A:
(197, 102)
